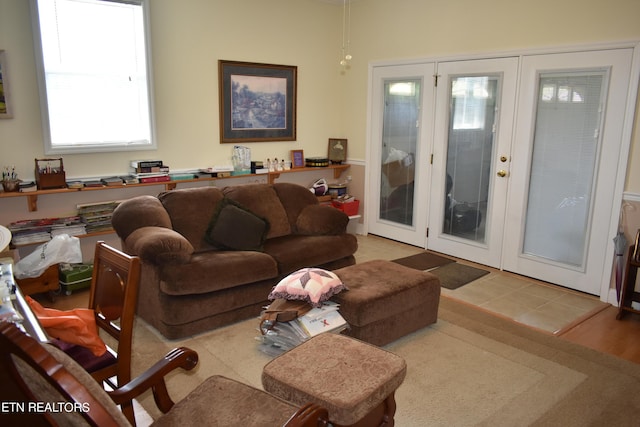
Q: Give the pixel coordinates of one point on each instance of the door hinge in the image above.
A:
(427, 232)
(431, 160)
(435, 79)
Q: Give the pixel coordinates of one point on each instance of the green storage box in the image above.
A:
(75, 276)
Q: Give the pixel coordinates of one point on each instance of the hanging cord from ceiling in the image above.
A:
(346, 33)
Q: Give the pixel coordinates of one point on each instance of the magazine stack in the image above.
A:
(284, 336)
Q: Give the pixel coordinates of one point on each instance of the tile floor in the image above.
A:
(537, 304)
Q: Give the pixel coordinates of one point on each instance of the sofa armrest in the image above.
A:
(141, 211)
(321, 220)
(159, 245)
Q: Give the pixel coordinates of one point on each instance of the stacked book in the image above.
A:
(74, 228)
(97, 216)
(287, 335)
(31, 231)
(146, 171)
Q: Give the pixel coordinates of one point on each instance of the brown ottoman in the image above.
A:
(353, 380)
(386, 301)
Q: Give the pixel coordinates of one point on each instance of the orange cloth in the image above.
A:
(77, 326)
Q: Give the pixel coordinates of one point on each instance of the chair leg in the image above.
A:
(127, 410)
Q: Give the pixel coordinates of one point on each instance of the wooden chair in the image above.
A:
(44, 386)
(113, 298)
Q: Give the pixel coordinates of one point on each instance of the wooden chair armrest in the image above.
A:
(310, 415)
(153, 378)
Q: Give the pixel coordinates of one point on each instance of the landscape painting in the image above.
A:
(257, 102)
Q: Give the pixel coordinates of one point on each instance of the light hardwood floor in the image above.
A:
(604, 333)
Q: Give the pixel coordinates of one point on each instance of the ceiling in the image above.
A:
(336, 1)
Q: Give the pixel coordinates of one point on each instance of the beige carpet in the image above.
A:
(469, 369)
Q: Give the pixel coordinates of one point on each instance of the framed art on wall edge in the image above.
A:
(5, 104)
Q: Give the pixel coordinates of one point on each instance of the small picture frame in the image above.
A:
(337, 150)
(297, 159)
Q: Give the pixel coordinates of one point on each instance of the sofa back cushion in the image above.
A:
(294, 198)
(191, 210)
(263, 201)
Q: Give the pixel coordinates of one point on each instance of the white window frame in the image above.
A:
(145, 140)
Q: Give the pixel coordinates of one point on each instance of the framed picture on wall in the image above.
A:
(297, 159)
(5, 104)
(337, 150)
(257, 102)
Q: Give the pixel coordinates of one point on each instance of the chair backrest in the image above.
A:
(33, 377)
(113, 297)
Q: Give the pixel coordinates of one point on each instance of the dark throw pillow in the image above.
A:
(236, 228)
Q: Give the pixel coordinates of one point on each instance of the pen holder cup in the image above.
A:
(11, 185)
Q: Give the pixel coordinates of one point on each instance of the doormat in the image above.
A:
(423, 261)
(455, 275)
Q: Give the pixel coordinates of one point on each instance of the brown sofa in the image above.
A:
(207, 260)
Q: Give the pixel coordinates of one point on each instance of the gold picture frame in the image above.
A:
(337, 150)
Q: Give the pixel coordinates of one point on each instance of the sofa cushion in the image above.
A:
(320, 219)
(262, 200)
(236, 228)
(296, 251)
(215, 270)
(191, 210)
(313, 285)
(294, 198)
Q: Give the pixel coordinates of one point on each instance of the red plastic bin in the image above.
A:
(350, 208)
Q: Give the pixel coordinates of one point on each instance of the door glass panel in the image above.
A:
(472, 124)
(565, 150)
(400, 129)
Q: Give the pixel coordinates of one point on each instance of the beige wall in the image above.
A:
(188, 38)
(385, 30)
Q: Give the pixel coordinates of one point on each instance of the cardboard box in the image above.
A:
(73, 277)
(400, 172)
(10, 256)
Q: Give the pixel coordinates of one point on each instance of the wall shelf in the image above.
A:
(32, 196)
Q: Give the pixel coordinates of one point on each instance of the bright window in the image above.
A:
(95, 85)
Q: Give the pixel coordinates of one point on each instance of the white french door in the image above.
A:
(401, 117)
(474, 114)
(513, 162)
(566, 150)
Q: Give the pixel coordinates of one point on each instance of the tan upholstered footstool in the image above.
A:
(353, 380)
(386, 301)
